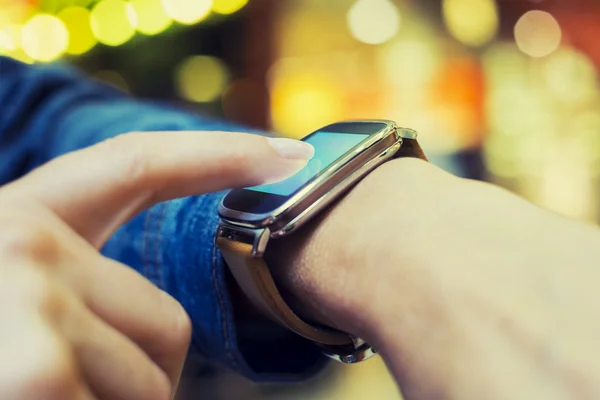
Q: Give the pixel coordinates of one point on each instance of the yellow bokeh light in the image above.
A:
(44, 38)
(571, 76)
(537, 33)
(187, 12)
(411, 63)
(502, 63)
(10, 39)
(201, 79)
(303, 98)
(77, 21)
(228, 6)
(113, 22)
(566, 185)
(373, 21)
(152, 18)
(10, 36)
(12, 12)
(473, 22)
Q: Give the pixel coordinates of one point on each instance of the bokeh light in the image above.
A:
(373, 21)
(586, 124)
(152, 18)
(77, 21)
(187, 12)
(537, 33)
(570, 76)
(410, 64)
(201, 79)
(302, 99)
(113, 22)
(228, 6)
(9, 39)
(515, 113)
(15, 12)
(44, 38)
(564, 186)
(473, 22)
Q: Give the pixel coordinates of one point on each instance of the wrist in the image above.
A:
(335, 265)
(363, 266)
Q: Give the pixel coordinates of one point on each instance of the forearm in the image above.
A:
(437, 293)
(503, 308)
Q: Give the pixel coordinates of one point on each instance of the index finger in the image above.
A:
(97, 189)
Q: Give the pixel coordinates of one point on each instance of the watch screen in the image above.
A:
(329, 146)
(330, 143)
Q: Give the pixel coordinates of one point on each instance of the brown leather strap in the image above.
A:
(256, 281)
(410, 148)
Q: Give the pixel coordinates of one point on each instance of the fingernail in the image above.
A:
(292, 149)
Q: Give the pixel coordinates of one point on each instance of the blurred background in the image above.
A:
(500, 90)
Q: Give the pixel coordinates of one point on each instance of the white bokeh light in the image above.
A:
(537, 33)
(373, 21)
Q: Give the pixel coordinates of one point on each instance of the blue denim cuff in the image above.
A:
(172, 244)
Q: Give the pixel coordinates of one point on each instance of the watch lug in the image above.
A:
(361, 351)
(258, 238)
(405, 133)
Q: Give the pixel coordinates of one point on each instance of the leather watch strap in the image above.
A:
(255, 280)
(410, 148)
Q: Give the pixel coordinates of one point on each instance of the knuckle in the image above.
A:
(180, 330)
(238, 161)
(160, 388)
(184, 328)
(240, 158)
(22, 240)
(58, 382)
(128, 156)
(50, 300)
(41, 293)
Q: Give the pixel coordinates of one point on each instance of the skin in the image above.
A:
(468, 291)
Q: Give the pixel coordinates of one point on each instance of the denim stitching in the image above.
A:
(224, 324)
(192, 222)
(144, 252)
(158, 272)
(191, 225)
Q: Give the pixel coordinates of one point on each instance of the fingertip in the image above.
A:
(292, 149)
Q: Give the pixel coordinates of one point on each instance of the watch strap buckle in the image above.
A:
(350, 354)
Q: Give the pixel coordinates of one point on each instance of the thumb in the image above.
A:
(97, 189)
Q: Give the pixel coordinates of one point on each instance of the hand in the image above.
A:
(468, 291)
(76, 325)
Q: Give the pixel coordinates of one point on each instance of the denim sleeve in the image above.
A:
(49, 110)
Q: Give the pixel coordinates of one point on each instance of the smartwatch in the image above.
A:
(249, 218)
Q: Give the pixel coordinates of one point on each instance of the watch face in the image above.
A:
(329, 146)
(333, 144)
